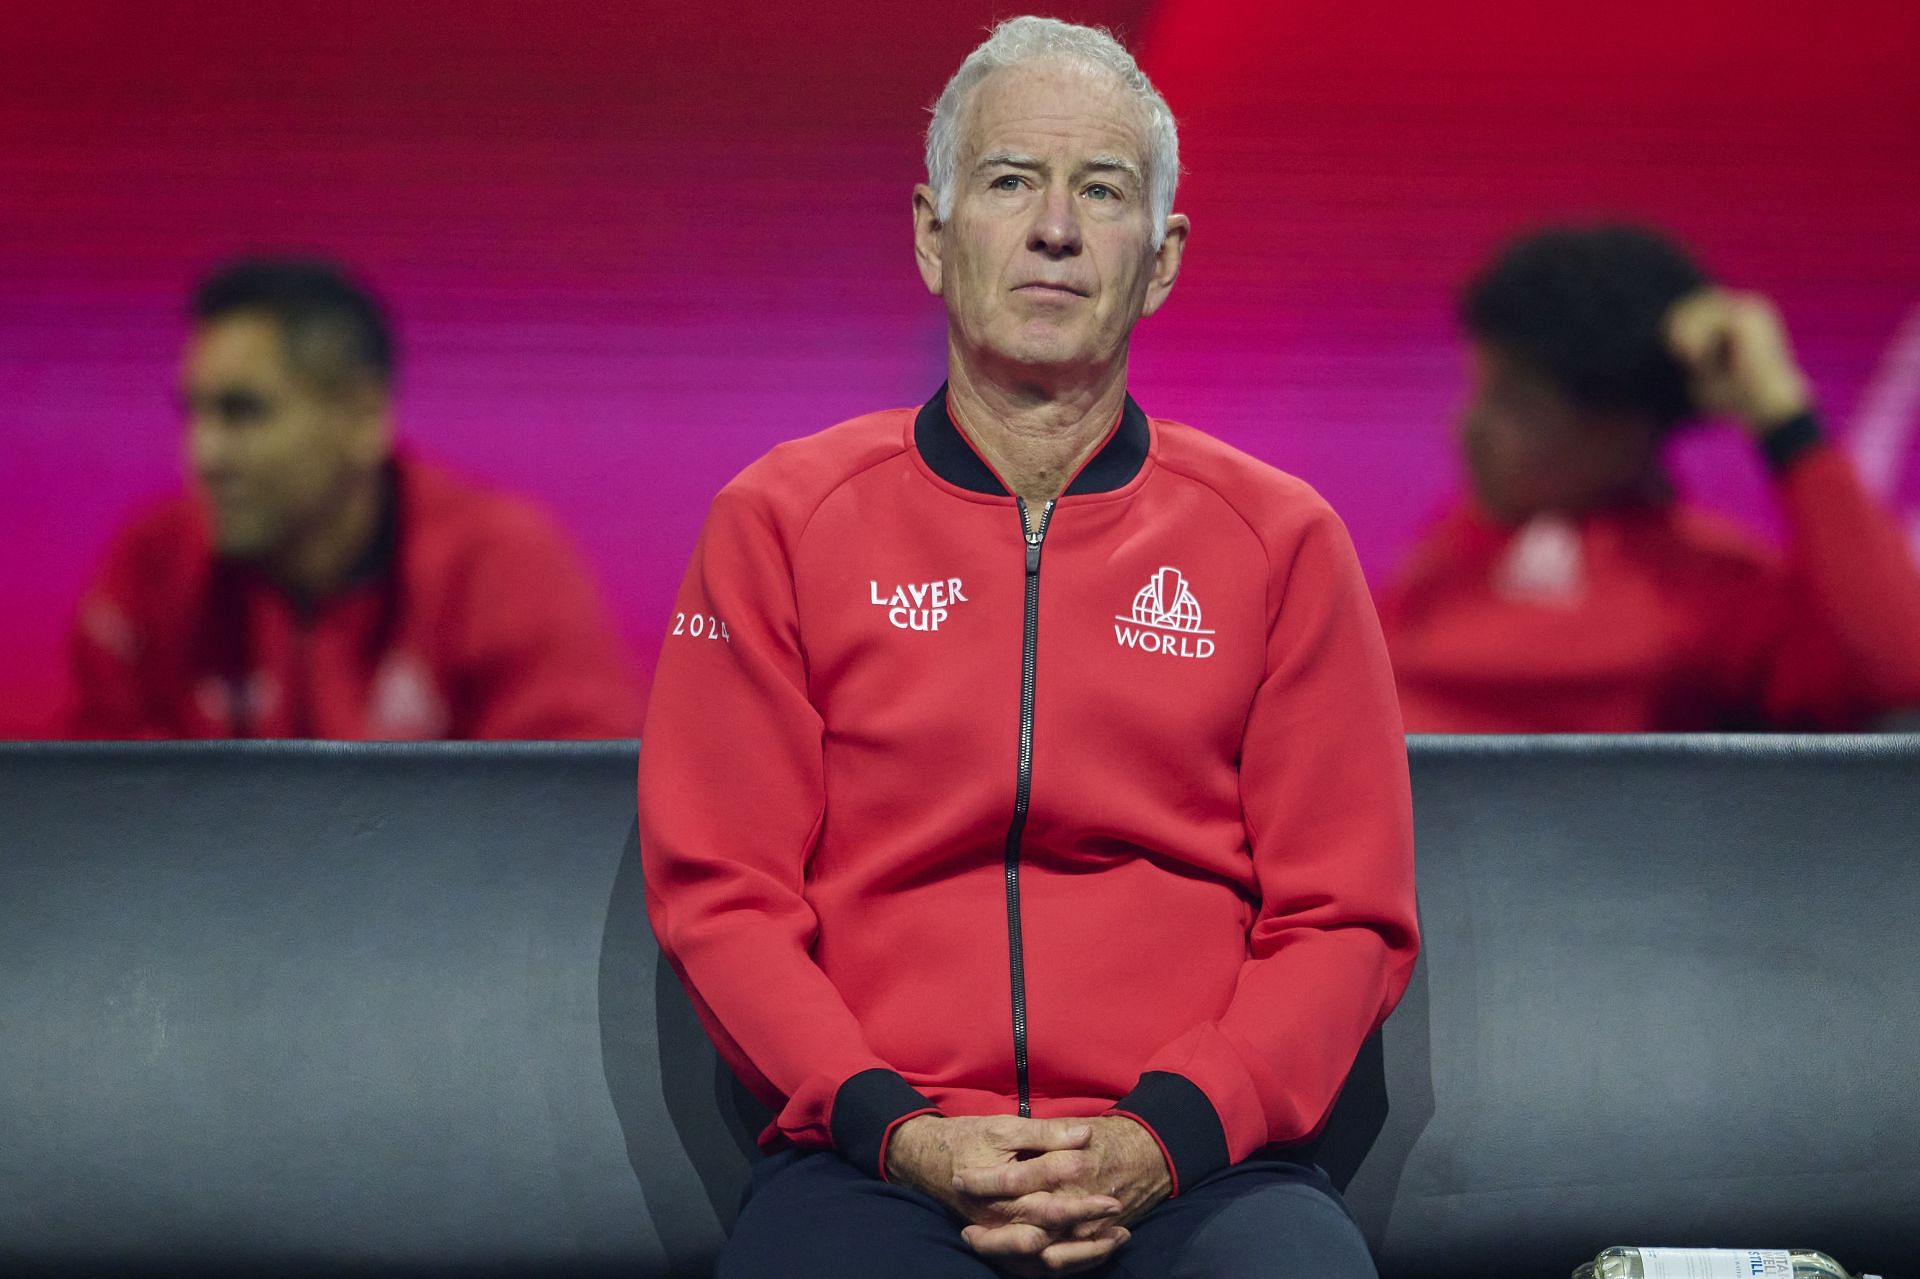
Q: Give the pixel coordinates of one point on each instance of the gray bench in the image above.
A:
(342, 1009)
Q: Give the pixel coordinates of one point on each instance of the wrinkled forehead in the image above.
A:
(1052, 105)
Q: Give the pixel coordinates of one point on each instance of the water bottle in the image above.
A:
(1713, 1263)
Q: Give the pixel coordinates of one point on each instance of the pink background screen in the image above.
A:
(631, 246)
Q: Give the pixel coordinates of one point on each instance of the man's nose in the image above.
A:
(1056, 225)
(208, 445)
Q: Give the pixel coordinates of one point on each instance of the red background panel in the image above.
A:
(630, 246)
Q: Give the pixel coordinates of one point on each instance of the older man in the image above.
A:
(1048, 910)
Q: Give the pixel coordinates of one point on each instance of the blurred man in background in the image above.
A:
(1572, 592)
(317, 583)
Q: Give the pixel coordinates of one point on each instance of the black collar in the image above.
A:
(377, 560)
(952, 458)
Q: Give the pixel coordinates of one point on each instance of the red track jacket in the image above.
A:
(1662, 618)
(940, 816)
(471, 618)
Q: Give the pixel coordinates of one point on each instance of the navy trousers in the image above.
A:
(813, 1215)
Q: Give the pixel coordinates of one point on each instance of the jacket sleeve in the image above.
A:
(1844, 646)
(110, 691)
(544, 662)
(731, 802)
(1328, 812)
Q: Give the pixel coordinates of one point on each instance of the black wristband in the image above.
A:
(1184, 1121)
(865, 1109)
(1784, 444)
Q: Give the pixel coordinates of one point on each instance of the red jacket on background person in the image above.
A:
(470, 617)
(1662, 617)
(1137, 777)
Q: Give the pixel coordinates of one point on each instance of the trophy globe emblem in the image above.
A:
(1166, 601)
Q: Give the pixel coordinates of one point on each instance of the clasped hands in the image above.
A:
(1041, 1196)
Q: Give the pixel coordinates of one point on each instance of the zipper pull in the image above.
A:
(1034, 536)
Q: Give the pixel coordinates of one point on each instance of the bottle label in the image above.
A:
(1715, 1263)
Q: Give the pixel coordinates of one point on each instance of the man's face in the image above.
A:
(1530, 447)
(1047, 261)
(274, 452)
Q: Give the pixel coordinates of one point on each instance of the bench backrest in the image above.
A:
(313, 1007)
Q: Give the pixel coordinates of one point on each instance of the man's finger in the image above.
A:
(1007, 1241)
(1037, 1136)
(1023, 1177)
(1092, 1229)
(1082, 1254)
(1056, 1213)
(1694, 324)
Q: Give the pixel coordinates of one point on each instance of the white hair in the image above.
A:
(1030, 39)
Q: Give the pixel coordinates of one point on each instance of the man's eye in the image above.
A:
(241, 407)
(1101, 191)
(1007, 182)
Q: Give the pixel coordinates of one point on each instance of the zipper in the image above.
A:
(1022, 792)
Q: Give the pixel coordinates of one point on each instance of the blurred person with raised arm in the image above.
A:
(1572, 591)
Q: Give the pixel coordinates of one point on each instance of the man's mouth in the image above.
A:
(1049, 288)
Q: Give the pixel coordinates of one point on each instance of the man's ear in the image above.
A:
(1166, 263)
(926, 238)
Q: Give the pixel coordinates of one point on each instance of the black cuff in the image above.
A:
(1786, 442)
(865, 1108)
(1185, 1122)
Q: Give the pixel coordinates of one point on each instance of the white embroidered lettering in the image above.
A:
(1165, 619)
(701, 626)
(918, 606)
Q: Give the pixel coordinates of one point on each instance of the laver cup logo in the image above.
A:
(1165, 619)
(918, 606)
